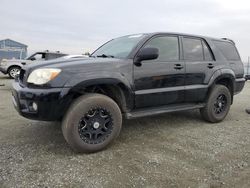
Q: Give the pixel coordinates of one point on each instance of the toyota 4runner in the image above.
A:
(130, 77)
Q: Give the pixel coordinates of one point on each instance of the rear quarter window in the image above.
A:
(228, 50)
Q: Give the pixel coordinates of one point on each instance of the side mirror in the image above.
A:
(146, 54)
(33, 59)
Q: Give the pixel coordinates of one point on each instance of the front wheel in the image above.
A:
(218, 104)
(92, 122)
(14, 71)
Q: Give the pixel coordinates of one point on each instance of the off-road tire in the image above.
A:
(78, 109)
(208, 112)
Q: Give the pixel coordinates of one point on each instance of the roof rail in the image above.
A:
(228, 40)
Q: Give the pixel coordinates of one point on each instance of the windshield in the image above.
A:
(119, 47)
(28, 58)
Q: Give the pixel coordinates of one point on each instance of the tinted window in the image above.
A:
(207, 52)
(168, 47)
(228, 50)
(192, 49)
(38, 56)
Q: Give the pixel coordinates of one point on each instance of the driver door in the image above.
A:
(160, 81)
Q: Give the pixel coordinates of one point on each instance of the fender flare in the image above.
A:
(219, 75)
(222, 74)
(80, 84)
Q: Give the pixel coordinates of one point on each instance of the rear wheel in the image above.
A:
(92, 122)
(14, 71)
(218, 104)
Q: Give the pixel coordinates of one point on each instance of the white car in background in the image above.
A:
(12, 67)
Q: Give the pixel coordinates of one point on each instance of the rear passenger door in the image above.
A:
(200, 66)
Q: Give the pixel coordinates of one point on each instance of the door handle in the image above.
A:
(178, 66)
(210, 65)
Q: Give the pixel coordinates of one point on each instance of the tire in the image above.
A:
(14, 71)
(86, 119)
(212, 111)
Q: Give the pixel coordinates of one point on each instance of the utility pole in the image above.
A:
(248, 62)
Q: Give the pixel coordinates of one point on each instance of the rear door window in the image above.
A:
(193, 50)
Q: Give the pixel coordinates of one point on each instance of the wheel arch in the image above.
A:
(225, 77)
(113, 88)
(12, 67)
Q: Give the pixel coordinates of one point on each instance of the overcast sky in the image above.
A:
(77, 26)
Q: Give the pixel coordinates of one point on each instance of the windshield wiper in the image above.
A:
(104, 56)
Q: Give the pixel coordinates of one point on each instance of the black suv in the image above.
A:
(131, 76)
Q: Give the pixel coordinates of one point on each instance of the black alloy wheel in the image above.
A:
(95, 126)
(220, 104)
(91, 123)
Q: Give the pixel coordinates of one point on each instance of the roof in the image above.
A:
(191, 35)
(13, 41)
(50, 52)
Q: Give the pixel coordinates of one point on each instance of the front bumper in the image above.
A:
(51, 103)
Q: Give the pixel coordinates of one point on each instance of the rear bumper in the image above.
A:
(247, 77)
(239, 85)
(51, 103)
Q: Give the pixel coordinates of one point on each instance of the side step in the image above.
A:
(163, 109)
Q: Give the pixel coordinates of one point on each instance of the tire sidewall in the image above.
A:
(218, 90)
(14, 67)
(79, 109)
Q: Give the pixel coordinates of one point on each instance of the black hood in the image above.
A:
(39, 64)
(72, 63)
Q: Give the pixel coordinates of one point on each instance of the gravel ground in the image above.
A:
(171, 150)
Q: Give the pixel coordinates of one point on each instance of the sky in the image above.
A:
(79, 26)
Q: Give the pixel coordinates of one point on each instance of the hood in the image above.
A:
(75, 70)
(74, 65)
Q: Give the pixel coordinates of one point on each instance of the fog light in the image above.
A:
(34, 106)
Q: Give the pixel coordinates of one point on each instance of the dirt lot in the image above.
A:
(172, 150)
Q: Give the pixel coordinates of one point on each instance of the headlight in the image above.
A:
(43, 75)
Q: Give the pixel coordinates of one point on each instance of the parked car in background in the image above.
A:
(13, 66)
(130, 77)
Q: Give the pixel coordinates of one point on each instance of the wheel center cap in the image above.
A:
(96, 125)
(220, 104)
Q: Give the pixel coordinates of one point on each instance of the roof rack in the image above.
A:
(228, 40)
